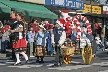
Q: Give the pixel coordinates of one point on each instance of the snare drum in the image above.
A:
(67, 50)
(39, 51)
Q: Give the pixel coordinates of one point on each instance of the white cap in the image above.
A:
(42, 27)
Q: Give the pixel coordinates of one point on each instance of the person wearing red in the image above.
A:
(19, 42)
(34, 24)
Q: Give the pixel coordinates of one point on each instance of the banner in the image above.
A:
(88, 9)
(105, 9)
(96, 10)
(74, 4)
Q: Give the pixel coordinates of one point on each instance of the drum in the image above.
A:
(39, 51)
(67, 50)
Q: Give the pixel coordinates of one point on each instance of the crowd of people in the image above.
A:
(39, 39)
(35, 40)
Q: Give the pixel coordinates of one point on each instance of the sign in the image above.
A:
(105, 9)
(88, 9)
(96, 10)
(34, 1)
(74, 4)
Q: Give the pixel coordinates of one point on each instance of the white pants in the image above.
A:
(17, 56)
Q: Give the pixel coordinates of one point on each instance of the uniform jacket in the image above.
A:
(58, 36)
(84, 41)
(30, 36)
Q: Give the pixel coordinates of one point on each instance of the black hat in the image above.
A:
(34, 19)
(13, 9)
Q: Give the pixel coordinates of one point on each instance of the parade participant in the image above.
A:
(84, 41)
(67, 22)
(11, 23)
(30, 39)
(34, 24)
(59, 39)
(40, 43)
(19, 42)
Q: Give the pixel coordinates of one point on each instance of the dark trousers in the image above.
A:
(58, 57)
(13, 52)
(4, 45)
(94, 47)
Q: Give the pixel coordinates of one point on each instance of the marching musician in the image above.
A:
(19, 42)
(11, 23)
(58, 38)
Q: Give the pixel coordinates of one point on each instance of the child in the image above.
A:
(30, 39)
(39, 49)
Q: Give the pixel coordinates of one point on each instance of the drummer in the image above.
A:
(59, 38)
(11, 23)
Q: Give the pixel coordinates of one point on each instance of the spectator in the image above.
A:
(30, 39)
(40, 43)
(34, 24)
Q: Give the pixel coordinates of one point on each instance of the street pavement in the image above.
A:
(77, 65)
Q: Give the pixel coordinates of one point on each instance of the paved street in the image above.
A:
(97, 65)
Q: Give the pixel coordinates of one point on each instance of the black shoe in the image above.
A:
(18, 63)
(49, 52)
(61, 63)
(55, 65)
(41, 61)
(37, 61)
(27, 62)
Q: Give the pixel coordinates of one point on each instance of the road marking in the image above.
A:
(26, 66)
(10, 62)
(71, 67)
(2, 63)
(103, 71)
(101, 64)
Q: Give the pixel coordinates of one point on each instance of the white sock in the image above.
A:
(25, 56)
(17, 57)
